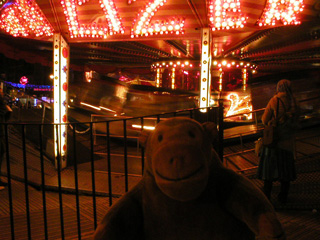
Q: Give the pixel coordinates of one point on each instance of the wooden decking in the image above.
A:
(300, 217)
(298, 224)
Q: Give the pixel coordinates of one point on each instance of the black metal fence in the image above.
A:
(44, 200)
(103, 161)
(304, 192)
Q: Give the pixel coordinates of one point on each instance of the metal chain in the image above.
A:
(80, 132)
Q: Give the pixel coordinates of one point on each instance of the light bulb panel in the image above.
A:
(225, 14)
(284, 11)
(24, 18)
(93, 30)
(224, 63)
(142, 23)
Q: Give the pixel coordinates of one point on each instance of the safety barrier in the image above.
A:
(29, 159)
(69, 202)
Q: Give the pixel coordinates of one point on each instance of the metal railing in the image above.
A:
(29, 159)
(259, 127)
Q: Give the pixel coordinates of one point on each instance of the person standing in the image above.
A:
(277, 163)
(4, 115)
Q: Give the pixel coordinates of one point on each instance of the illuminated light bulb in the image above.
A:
(145, 16)
(226, 15)
(284, 11)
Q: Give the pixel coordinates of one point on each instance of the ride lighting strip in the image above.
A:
(182, 64)
(225, 63)
(220, 79)
(137, 126)
(173, 78)
(158, 78)
(244, 77)
(61, 73)
(97, 108)
(205, 73)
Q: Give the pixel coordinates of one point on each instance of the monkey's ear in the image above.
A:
(211, 131)
(143, 138)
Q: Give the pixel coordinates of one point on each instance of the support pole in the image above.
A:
(244, 79)
(61, 76)
(158, 78)
(173, 78)
(205, 80)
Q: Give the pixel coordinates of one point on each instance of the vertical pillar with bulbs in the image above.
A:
(244, 79)
(158, 78)
(205, 80)
(173, 78)
(61, 75)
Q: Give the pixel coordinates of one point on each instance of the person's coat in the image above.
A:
(287, 118)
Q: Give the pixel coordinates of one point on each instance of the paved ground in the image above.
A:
(28, 200)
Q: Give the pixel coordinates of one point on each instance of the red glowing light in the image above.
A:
(23, 80)
(65, 86)
(65, 52)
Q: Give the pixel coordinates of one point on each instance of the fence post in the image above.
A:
(93, 131)
(221, 129)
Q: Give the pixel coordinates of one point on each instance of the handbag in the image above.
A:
(258, 146)
(270, 136)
